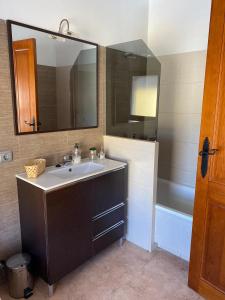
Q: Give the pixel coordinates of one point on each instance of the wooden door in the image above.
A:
(207, 262)
(24, 57)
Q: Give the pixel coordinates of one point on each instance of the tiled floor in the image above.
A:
(122, 273)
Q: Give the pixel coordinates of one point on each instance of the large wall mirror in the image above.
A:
(54, 80)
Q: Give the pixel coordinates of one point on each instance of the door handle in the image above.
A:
(204, 153)
(33, 123)
(29, 124)
(210, 152)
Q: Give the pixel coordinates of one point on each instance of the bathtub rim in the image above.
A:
(175, 212)
(174, 183)
(178, 192)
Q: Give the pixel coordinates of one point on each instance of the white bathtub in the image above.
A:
(173, 218)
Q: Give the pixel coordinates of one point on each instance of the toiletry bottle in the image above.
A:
(93, 153)
(76, 154)
(102, 153)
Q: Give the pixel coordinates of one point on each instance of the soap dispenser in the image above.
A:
(102, 153)
(76, 154)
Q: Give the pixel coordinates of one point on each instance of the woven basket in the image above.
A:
(35, 168)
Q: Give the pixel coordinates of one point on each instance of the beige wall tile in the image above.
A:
(179, 155)
(179, 127)
(181, 97)
(9, 225)
(184, 67)
(166, 171)
(180, 104)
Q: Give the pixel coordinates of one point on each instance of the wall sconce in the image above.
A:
(61, 30)
(61, 25)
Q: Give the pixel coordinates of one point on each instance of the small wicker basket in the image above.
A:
(35, 168)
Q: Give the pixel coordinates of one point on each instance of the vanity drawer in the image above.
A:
(108, 191)
(111, 235)
(107, 219)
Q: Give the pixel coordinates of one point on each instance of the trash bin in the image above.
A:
(20, 280)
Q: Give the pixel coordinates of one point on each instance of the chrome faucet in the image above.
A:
(67, 159)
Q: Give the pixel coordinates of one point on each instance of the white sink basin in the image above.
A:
(77, 170)
(54, 177)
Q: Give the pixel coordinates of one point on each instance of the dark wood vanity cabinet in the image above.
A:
(68, 229)
(64, 227)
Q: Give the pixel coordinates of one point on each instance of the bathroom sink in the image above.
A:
(77, 170)
(54, 177)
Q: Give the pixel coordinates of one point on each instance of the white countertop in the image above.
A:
(48, 180)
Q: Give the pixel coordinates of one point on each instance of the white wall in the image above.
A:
(178, 26)
(169, 26)
(142, 159)
(105, 22)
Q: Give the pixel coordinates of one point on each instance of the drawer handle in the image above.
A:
(107, 230)
(106, 212)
